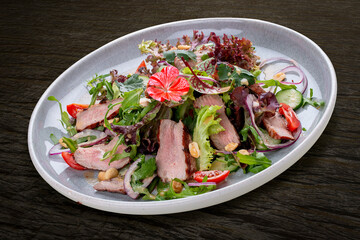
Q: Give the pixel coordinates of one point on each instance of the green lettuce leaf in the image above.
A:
(187, 55)
(256, 161)
(206, 125)
(132, 83)
(65, 119)
(166, 191)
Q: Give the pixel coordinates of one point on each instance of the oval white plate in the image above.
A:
(270, 40)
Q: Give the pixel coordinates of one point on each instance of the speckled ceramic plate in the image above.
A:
(270, 40)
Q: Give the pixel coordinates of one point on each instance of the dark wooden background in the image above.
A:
(317, 198)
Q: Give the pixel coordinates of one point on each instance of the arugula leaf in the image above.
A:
(276, 83)
(54, 139)
(65, 119)
(166, 191)
(112, 152)
(97, 79)
(244, 134)
(72, 145)
(146, 168)
(312, 101)
(187, 55)
(256, 161)
(132, 83)
(131, 98)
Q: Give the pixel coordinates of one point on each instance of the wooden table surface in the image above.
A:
(317, 198)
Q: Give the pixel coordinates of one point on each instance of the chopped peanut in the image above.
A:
(177, 186)
(101, 176)
(244, 81)
(111, 121)
(144, 102)
(183, 47)
(231, 146)
(111, 173)
(194, 149)
(173, 48)
(244, 152)
(279, 76)
(61, 141)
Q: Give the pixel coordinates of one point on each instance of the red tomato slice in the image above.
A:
(74, 108)
(70, 160)
(213, 176)
(290, 116)
(142, 64)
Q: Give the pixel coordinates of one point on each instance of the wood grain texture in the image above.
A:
(317, 198)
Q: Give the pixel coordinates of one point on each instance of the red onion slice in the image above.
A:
(296, 68)
(201, 184)
(100, 138)
(57, 149)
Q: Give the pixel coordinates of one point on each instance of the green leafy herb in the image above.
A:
(132, 83)
(147, 46)
(131, 99)
(65, 119)
(256, 161)
(72, 145)
(312, 101)
(166, 191)
(276, 83)
(237, 75)
(225, 162)
(97, 79)
(85, 139)
(54, 139)
(304, 129)
(112, 152)
(146, 168)
(187, 55)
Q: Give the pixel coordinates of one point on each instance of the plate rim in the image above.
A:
(204, 200)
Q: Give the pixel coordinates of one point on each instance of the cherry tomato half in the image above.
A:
(75, 108)
(142, 64)
(290, 116)
(213, 176)
(70, 160)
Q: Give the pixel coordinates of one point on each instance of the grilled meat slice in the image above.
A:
(276, 126)
(112, 185)
(90, 157)
(94, 116)
(173, 159)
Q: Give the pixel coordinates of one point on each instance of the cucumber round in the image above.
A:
(291, 97)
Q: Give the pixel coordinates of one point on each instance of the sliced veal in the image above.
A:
(173, 159)
(90, 157)
(94, 116)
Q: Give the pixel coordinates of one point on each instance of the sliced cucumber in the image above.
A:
(291, 97)
(222, 165)
(269, 139)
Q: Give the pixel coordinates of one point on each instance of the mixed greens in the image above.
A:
(211, 85)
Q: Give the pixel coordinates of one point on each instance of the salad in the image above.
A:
(191, 114)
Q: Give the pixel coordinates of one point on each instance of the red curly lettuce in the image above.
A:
(234, 50)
